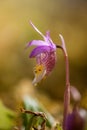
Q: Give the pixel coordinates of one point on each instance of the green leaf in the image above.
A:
(6, 117)
(34, 105)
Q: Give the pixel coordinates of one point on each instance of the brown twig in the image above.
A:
(41, 114)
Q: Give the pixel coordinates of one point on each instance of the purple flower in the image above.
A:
(45, 54)
(76, 120)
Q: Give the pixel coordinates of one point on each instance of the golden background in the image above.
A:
(68, 17)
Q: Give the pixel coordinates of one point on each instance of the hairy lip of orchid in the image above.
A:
(45, 54)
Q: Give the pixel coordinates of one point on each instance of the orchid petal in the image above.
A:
(49, 40)
(46, 38)
(37, 29)
(39, 50)
(37, 43)
(48, 34)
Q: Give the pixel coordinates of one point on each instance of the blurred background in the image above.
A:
(68, 17)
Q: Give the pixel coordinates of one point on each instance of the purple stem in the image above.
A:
(66, 94)
(67, 88)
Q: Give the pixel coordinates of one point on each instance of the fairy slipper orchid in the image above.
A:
(45, 54)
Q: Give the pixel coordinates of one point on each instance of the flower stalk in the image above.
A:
(67, 88)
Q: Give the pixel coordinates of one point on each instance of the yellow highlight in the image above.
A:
(38, 69)
(39, 72)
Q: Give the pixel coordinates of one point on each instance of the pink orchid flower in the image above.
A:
(45, 54)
